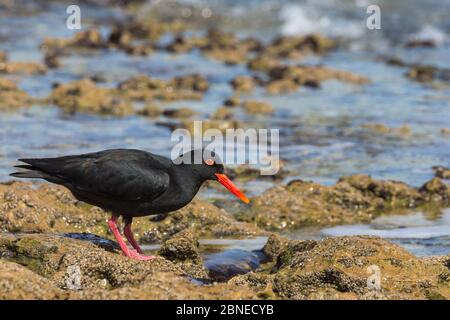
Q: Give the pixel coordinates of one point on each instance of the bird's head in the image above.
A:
(208, 166)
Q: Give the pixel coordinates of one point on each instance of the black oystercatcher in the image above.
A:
(129, 183)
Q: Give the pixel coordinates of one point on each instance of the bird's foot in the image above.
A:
(133, 254)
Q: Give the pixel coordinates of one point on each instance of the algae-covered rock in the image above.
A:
(183, 250)
(19, 283)
(357, 198)
(55, 267)
(28, 207)
(442, 172)
(24, 68)
(358, 268)
(11, 97)
(257, 107)
(85, 96)
(179, 113)
(243, 83)
(143, 88)
(77, 264)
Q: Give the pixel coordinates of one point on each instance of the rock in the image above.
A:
(298, 47)
(28, 207)
(182, 246)
(24, 68)
(232, 101)
(55, 267)
(11, 97)
(442, 172)
(243, 83)
(273, 246)
(357, 198)
(143, 88)
(89, 39)
(426, 73)
(45, 208)
(179, 113)
(262, 63)
(222, 113)
(202, 218)
(281, 86)
(3, 57)
(150, 110)
(343, 268)
(445, 131)
(436, 192)
(19, 283)
(403, 131)
(257, 107)
(85, 96)
(183, 250)
(306, 74)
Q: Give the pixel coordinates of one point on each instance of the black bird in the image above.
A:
(130, 183)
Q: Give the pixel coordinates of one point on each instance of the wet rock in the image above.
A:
(442, 172)
(85, 96)
(202, 218)
(3, 57)
(150, 110)
(143, 88)
(273, 246)
(179, 113)
(77, 264)
(52, 59)
(445, 131)
(89, 39)
(222, 113)
(262, 63)
(11, 97)
(344, 268)
(182, 246)
(183, 250)
(357, 198)
(281, 86)
(436, 192)
(55, 267)
(416, 43)
(302, 74)
(426, 73)
(221, 125)
(232, 101)
(243, 83)
(257, 107)
(403, 131)
(24, 68)
(28, 207)
(298, 47)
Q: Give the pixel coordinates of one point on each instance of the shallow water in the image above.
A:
(419, 233)
(320, 130)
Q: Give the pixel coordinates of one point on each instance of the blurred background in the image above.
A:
(346, 99)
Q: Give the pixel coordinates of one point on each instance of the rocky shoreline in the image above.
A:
(41, 244)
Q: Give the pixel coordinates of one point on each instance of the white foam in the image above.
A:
(298, 20)
(430, 33)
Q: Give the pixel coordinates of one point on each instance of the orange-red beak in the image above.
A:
(226, 182)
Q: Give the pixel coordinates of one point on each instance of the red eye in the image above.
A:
(209, 162)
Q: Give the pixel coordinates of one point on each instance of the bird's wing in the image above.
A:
(124, 176)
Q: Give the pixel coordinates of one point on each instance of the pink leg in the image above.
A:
(112, 223)
(129, 235)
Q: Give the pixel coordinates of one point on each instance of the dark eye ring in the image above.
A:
(209, 162)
